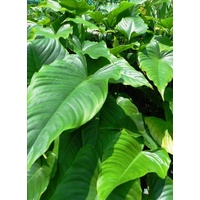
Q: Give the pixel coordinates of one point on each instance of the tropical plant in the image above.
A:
(100, 100)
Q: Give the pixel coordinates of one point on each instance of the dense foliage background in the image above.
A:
(100, 99)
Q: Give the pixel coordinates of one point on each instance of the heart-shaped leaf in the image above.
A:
(157, 65)
(131, 26)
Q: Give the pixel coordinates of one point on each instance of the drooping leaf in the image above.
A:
(159, 131)
(127, 163)
(79, 181)
(62, 97)
(160, 188)
(39, 176)
(131, 26)
(42, 51)
(157, 65)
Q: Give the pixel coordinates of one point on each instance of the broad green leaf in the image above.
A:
(62, 97)
(124, 160)
(112, 17)
(167, 22)
(97, 16)
(159, 131)
(131, 110)
(77, 7)
(55, 6)
(130, 76)
(95, 49)
(160, 188)
(130, 190)
(47, 32)
(79, 20)
(79, 181)
(131, 26)
(39, 176)
(157, 65)
(43, 51)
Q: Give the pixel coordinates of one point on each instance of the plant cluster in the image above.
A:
(100, 100)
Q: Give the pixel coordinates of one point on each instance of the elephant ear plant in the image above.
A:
(100, 100)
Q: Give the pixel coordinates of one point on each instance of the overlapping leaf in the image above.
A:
(42, 51)
(130, 76)
(62, 97)
(79, 182)
(39, 176)
(127, 163)
(159, 131)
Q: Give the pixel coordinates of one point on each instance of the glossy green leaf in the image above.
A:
(127, 163)
(130, 76)
(77, 7)
(131, 26)
(159, 131)
(112, 17)
(79, 181)
(160, 188)
(39, 176)
(95, 49)
(55, 6)
(62, 97)
(130, 190)
(97, 16)
(43, 51)
(79, 20)
(64, 31)
(157, 65)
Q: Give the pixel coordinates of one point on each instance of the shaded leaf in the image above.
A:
(131, 110)
(160, 188)
(79, 181)
(39, 176)
(130, 190)
(159, 131)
